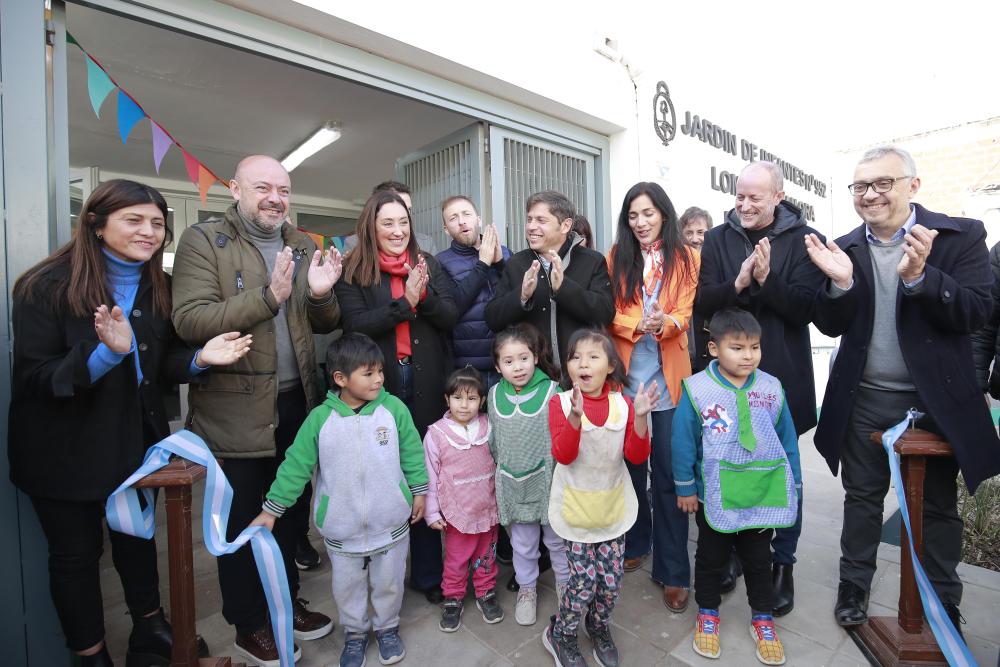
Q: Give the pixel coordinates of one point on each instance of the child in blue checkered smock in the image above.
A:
(735, 461)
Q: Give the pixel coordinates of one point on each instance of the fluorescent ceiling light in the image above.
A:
(328, 133)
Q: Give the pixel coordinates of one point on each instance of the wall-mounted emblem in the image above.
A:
(664, 118)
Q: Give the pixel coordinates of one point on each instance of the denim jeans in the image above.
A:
(671, 565)
(786, 540)
(426, 560)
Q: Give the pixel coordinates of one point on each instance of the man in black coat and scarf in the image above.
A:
(756, 260)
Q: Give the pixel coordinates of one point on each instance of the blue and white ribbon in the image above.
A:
(949, 641)
(125, 515)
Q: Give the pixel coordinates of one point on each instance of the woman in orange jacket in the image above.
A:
(654, 277)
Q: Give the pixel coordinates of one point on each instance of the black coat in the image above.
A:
(933, 326)
(783, 305)
(583, 300)
(373, 312)
(986, 341)
(71, 439)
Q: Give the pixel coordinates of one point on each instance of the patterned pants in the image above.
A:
(595, 577)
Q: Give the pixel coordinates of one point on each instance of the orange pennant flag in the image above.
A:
(205, 181)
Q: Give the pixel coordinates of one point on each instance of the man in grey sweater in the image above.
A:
(905, 290)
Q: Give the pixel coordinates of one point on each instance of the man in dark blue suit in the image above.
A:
(905, 289)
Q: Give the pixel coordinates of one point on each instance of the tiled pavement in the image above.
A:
(646, 633)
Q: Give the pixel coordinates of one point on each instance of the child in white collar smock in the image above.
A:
(461, 498)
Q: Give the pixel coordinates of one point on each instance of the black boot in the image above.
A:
(852, 605)
(783, 587)
(956, 618)
(100, 659)
(730, 573)
(151, 641)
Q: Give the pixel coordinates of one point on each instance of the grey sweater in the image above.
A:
(269, 243)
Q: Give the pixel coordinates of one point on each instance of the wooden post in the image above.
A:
(907, 639)
(176, 478)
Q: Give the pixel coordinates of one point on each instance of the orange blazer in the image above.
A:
(676, 299)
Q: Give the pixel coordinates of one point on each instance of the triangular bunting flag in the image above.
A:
(70, 39)
(129, 113)
(191, 164)
(205, 181)
(161, 144)
(318, 239)
(98, 85)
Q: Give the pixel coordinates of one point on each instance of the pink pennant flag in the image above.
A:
(191, 164)
(161, 144)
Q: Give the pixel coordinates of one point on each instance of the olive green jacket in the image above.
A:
(220, 284)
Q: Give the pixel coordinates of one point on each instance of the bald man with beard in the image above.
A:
(251, 271)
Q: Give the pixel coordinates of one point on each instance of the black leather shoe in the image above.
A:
(512, 584)
(852, 605)
(150, 642)
(100, 659)
(783, 587)
(731, 573)
(956, 617)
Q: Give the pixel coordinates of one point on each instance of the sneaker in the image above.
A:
(565, 650)
(306, 557)
(355, 645)
(451, 615)
(490, 607)
(605, 651)
(525, 608)
(390, 646)
(769, 648)
(707, 641)
(309, 624)
(260, 648)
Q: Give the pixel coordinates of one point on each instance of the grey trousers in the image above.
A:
(381, 573)
(865, 476)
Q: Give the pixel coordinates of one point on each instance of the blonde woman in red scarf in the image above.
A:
(654, 277)
(399, 296)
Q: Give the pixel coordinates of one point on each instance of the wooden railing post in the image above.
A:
(907, 639)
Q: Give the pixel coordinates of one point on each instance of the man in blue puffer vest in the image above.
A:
(474, 262)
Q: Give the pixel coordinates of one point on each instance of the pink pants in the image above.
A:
(469, 552)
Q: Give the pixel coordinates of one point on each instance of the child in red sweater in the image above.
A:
(594, 428)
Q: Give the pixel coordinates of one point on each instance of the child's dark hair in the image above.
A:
(523, 332)
(351, 352)
(616, 378)
(733, 322)
(467, 379)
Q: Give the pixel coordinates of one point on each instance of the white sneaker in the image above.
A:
(527, 601)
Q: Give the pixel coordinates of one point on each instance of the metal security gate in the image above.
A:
(521, 166)
(450, 166)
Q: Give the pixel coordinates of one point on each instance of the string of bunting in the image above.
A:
(130, 112)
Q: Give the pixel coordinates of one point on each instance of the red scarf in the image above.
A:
(393, 265)
(652, 265)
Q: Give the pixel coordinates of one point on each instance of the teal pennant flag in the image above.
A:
(98, 85)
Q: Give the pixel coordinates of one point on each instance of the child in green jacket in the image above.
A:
(371, 484)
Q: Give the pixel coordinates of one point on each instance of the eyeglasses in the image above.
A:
(880, 185)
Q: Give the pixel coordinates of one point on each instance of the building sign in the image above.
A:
(716, 136)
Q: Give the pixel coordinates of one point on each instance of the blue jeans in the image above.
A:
(426, 561)
(786, 540)
(671, 565)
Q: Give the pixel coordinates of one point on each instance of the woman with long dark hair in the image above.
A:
(93, 346)
(654, 277)
(399, 296)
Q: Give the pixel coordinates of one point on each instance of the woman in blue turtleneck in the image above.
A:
(93, 346)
